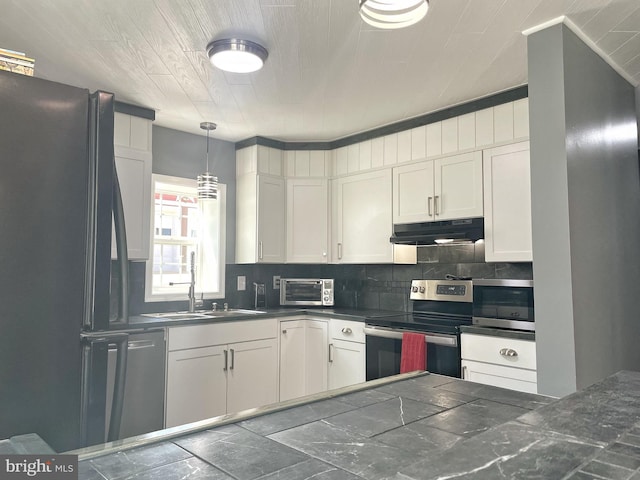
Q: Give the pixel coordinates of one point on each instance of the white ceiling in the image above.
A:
(328, 74)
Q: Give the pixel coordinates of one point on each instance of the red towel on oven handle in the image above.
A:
(414, 352)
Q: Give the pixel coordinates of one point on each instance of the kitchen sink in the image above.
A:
(202, 314)
(177, 315)
(230, 312)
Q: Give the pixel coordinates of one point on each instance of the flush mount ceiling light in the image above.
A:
(391, 14)
(207, 183)
(236, 55)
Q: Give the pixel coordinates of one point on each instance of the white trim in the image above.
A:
(590, 43)
(180, 296)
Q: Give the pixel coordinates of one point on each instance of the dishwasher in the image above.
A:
(143, 408)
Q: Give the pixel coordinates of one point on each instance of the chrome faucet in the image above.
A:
(193, 303)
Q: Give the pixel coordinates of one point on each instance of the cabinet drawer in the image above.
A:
(346, 330)
(194, 336)
(500, 376)
(483, 348)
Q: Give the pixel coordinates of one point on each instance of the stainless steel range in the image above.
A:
(438, 309)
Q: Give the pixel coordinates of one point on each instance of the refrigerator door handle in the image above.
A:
(122, 256)
(121, 340)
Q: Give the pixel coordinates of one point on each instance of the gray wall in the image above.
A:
(585, 198)
(182, 154)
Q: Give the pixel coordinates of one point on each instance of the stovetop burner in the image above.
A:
(438, 306)
(422, 322)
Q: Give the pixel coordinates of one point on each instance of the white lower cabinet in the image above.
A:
(220, 368)
(320, 354)
(196, 382)
(499, 361)
(253, 374)
(347, 354)
(303, 358)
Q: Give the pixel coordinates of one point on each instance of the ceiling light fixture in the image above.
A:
(390, 14)
(236, 55)
(207, 183)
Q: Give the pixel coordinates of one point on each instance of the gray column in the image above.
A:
(585, 213)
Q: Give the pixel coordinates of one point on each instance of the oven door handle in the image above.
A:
(435, 338)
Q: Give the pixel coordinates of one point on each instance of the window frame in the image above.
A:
(182, 290)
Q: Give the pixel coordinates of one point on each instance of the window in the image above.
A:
(183, 224)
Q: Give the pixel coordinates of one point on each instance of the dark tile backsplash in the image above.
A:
(373, 286)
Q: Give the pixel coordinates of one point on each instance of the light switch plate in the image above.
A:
(276, 282)
(242, 283)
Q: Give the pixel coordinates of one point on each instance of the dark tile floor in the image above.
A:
(424, 428)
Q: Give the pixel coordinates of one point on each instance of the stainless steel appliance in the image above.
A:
(439, 308)
(307, 291)
(503, 304)
(58, 192)
(143, 405)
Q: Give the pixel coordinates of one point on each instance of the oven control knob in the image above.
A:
(422, 289)
(326, 298)
(414, 288)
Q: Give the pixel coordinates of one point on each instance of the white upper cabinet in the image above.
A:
(132, 139)
(507, 192)
(271, 223)
(307, 220)
(260, 219)
(362, 218)
(442, 189)
(458, 186)
(413, 191)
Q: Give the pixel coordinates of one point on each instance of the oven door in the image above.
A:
(384, 349)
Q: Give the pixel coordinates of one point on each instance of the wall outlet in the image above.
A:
(276, 282)
(242, 283)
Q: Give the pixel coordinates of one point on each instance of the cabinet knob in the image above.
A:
(347, 331)
(284, 331)
(508, 352)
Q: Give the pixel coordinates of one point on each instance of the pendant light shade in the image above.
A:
(390, 14)
(207, 182)
(237, 55)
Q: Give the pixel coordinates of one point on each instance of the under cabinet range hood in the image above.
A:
(408, 237)
(463, 230)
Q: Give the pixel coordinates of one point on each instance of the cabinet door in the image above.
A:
(134, 175)
(196, 385)
(458, 186)
(413, 193)
(346, 363)
(307, 220)
(507, 201)
(271, 224)
(500, 376)
(316, 342)
(364, 219)
(252, 379)
(292, 359)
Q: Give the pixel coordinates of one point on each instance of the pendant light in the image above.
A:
(390, 14)
(207, 183)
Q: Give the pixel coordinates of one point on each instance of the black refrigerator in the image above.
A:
(58, 197)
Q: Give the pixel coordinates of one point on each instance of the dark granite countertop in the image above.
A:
(146, 321)
(498, 332)
(425, 427)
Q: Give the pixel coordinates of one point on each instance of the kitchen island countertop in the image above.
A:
(421, 427)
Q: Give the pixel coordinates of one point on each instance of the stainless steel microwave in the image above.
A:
(503, 304)
(307, 291)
